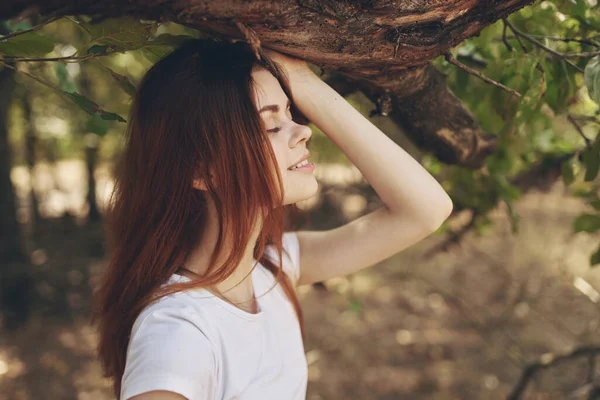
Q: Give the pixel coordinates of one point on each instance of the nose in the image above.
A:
(301, 134)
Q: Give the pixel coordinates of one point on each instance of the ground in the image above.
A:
(460, 324)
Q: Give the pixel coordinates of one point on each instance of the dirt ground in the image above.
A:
(461, 324)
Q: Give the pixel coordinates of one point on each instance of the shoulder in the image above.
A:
(170, 348)
(175, 309)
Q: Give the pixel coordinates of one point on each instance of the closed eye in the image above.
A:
(288, 112)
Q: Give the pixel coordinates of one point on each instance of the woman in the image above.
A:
(198, 301)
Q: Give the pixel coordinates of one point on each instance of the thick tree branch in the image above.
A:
(383, 46)
(433, 117)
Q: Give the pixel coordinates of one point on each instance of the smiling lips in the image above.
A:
(303, 166)
(299, 165)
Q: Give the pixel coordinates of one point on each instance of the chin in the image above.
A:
(306, 193)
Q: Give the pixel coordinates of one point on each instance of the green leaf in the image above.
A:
(591, 159)
(97, 49)
(166, 39)
(514, 217)
(119, 34)
(30, 44)
(97, 125)
(158, 48)
(109, 116)
(587, 223)
(123, 82)
(154, 53)
(568, 172)
(88, 105)
(355, 306)
(595, 258)
(592, 78)
(92, 108)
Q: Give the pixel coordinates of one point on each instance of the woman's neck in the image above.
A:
(198, 261)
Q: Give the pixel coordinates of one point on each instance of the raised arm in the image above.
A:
(415, 203)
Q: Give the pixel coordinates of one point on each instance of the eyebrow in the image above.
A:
(273, 107)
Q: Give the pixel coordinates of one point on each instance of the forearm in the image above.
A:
(401, 182)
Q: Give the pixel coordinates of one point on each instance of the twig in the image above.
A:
(508, 46)
(516, 36)
(481, 76)
(581, 55)
(67, 59)
(531, 369)
(34, 29)
(561, 39)
(586, 118)
(587, 140)
(32, 77)
(542, 46)
(58, 91)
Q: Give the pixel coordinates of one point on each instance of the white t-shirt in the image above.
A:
(204, 348)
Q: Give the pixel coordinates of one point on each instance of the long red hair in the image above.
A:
(194, 110)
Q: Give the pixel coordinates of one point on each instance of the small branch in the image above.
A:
(587, 140)
(561, 39)
(34, 29)
(581, 55)
(67, 59)
(481, 76)
(56, 90)
(508, 46)
(586, 118)
(32, 77)
(542, 364)
(506, 24)
(542, 46)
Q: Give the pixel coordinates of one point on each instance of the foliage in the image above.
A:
(547, 54)
(558, 107)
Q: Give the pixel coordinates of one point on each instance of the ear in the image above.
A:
(199, 184)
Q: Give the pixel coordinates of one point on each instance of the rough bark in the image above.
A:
(383, 46)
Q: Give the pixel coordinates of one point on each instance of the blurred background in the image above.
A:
(500, 303)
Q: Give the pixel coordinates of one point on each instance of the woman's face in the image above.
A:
(287, 138)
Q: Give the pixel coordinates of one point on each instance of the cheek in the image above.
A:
(279, 149)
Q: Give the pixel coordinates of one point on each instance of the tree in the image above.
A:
(414, 60)
(503, 96)
(382, 46)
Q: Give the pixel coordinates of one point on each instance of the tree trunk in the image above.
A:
(30, 156)
(382, 46)
(10, 243)
(15, 278)
(91, 144)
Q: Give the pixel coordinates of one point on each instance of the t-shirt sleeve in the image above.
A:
(291, 264)
(168, 351)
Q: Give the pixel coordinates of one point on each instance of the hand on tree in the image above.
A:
(295, 68)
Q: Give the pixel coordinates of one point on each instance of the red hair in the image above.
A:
(194, 111)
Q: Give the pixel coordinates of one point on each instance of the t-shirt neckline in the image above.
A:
(205, 294)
